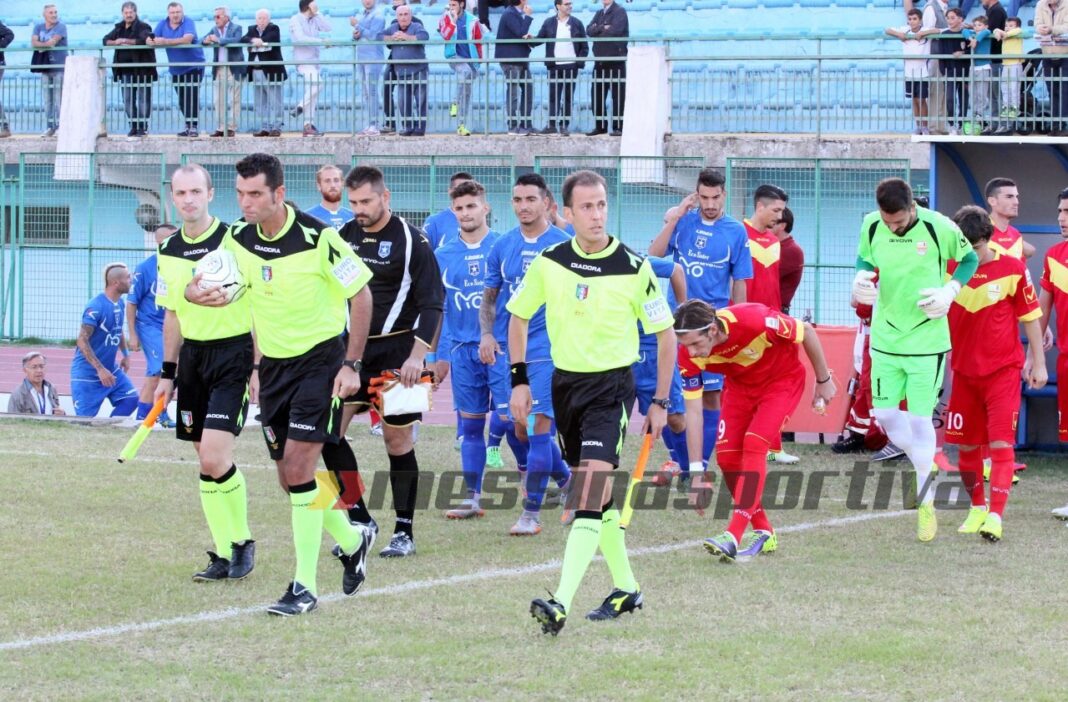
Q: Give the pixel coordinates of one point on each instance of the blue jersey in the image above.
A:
(334, 219)
(441, 228)
(508, 262)
(712, 255)
(143, 294)
(106, 318)
(463, 271)
(662, 268)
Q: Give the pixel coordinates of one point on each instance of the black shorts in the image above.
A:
(591, 411)
(916, 89)
(295, 397)
(212, 385)
(382, 354)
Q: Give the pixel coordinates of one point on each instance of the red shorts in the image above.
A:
(983, 410)
(761, 410)
(1062, 397)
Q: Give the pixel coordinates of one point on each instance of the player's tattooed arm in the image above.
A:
(84, 334)
(488, 348)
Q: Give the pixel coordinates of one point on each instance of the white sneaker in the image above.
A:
(1060, 512)
(782, 457)
(528, 524)
(371, 131)
(376, 429)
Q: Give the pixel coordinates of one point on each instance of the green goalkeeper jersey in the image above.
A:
(908, 263)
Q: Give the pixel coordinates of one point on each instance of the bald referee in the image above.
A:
(595, 284)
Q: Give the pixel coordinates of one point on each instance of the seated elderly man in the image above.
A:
(34, 395)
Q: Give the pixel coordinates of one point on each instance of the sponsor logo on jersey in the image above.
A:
(384, 247)
(265, 249)
(657, 310)
(582, 291)
(195, 252)
(267, 273)
(585, 267)
(346, 272)
(921, 248)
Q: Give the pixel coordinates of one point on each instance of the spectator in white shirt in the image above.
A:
(916, 48)
(304, 29)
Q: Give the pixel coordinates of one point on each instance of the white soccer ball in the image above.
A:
(219, 268)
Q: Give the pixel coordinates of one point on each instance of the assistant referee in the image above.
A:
(595, 291)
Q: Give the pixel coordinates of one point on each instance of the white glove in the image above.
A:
(864, 290)
(935, 302)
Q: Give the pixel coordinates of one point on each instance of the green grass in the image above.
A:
(846, 612)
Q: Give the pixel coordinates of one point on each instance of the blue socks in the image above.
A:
(459, 428)
(497, 429)
(125, 407)
(711, 433)
(473, 452)
(519, 448)
(143, 408)
(560, 472)
(676, 446)
(539, 467)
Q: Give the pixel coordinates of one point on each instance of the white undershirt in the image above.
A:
(564, 50)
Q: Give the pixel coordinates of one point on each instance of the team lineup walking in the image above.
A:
(554, 335)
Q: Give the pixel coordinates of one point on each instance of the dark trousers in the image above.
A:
(483, 10)
(388, 109)
(561, 94)
(413, 101)
(187, 87)
(137, 99)
(519, 95)
(609, 79)
(956, 75)
(1056, 71)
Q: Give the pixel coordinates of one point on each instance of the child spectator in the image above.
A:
(979, 38)
(954, 70)
(1011, 68)
(914, 43)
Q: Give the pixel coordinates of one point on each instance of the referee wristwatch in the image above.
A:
(660, 402)
(356, 365)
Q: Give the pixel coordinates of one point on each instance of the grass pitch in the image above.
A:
(96, 600)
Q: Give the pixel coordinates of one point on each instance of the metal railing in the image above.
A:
(738, 84)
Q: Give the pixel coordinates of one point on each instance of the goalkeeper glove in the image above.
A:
(864, 290)
(935, 302)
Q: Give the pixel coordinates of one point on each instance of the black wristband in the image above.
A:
(825, 380)
(255, 366)
(169, 372)
(519, 374)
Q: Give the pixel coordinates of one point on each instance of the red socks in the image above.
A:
(746, 483)
(1001, 470)
(971, 474)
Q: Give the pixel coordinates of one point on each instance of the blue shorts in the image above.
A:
(152, 346)
(470, 380)
(540, 374)
(713, 382)
(645, 384)
(88, 393)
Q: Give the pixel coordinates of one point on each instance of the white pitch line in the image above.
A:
(411, 586)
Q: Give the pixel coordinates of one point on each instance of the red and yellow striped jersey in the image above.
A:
(763, 288)
(1055, 282)
(1008, 242)
(984, 319)
(761, 347)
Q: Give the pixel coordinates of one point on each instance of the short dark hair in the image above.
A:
(788, 220)
(534, 179)
(893, 195)
(981, 18)
(467, 187)
(974, 223)
(1063, 195)
(997, 184)
(460, 175)
(769, 192)
(261, 163)
(711, 178)
(303, 5)
(582, 178)
(1015, 19)
(954, 11)
(914, 13)
(360, 176)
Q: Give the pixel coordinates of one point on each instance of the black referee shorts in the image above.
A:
(591, 411)
(382, 354)
(295, 399)
(212, 385)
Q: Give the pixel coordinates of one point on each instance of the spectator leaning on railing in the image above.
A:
(519, 91)
(995, 21)
(227, 79)
(268, 73)
(955, 71)
(464, 36)
(135, 69)
(6, 37)
(34, 395)
(934, 17)
(48, 35)
(563, 58)
(1051, 31)
(916, 48)
(304, 28)
(411, 69)
(609, 76)
(1011, 71)
(979, 38)
(178, 34)
(367, 28)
